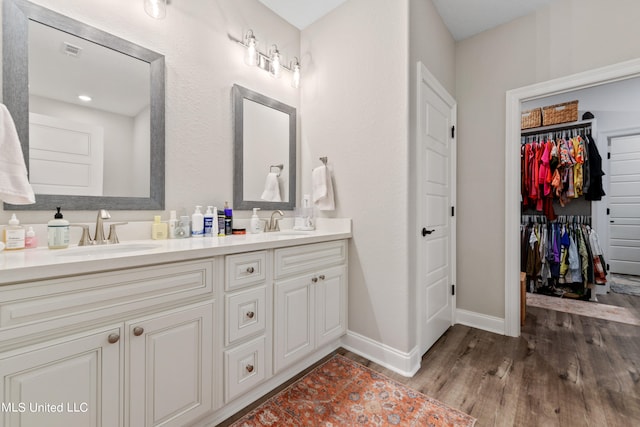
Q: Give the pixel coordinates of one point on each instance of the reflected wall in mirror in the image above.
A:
(264, 151)
(84, 154)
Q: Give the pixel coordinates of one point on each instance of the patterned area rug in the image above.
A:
(343, 393)
(583, 308)
(624, 284)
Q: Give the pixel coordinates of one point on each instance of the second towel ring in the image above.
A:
(279, 167)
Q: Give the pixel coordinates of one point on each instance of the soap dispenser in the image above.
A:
(255, 226)
(58, 232)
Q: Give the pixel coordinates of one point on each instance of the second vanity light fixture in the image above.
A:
(271, 62)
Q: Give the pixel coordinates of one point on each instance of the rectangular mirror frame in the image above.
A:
(16, 16)
(239, 95)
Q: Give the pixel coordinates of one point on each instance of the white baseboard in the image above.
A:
(405, 364)
(480, 321)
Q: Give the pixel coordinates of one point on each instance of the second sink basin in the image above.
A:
(97, 250)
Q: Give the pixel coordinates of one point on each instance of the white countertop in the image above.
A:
(42, 263)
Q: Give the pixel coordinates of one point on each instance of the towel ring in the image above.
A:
(279, 167)
(324, 160)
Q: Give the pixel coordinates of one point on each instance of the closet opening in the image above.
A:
(584, 85)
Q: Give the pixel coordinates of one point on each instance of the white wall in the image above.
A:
(202, 64)
(356, 111)
(564, 38)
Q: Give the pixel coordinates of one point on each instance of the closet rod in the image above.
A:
(563, 126)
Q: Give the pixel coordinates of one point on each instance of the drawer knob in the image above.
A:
(250, 270)
(250, 314)
(249, 368)
(138, 330)
(113, 338)
(321, 277)
(314, 279)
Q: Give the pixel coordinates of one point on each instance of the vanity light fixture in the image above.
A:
(156, 8)
(271, 62)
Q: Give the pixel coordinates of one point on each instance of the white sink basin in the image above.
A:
(99, 250)
(292, 232)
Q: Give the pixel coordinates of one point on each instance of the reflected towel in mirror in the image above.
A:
(14, 182)
(271, 191)
(322, 189)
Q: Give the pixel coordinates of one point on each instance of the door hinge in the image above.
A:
(608, 211)
(608, 156)
(608, 267)
(453, 131)
(453, 211)
(453, 289)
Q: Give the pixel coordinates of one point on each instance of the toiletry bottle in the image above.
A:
(214, 224)
(254, 225)
(208, 221)
(173, 224)
(58, 232)
(221, 220)
(197, 223)
(228, 219)
(30, 240)
(184, 230)
(14, 234)
(159, 229)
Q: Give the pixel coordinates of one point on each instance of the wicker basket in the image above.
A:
(531, 119)
(560, 113)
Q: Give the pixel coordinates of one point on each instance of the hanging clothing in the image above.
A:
(595, 191)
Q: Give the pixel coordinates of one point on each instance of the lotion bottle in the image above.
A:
(159, 230)
(14, 234)
(58, 232)
(254, 225)
(208, 222)
(31, 241)
(228, 219)
(173, 225)
(197, 223)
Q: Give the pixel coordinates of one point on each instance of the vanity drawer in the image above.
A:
(244, 368)
(303, 259)
(72, 300)
(246, 313)
(245, 269)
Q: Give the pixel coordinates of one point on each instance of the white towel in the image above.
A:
(271, 191)
(14, 182)
(322, 189)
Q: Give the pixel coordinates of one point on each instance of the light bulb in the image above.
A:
(274, 66)
(295, 79)
(156, 8)
(251, 56)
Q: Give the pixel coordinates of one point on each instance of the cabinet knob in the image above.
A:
(314, 279)
(249, 368)
(321, 277)
(250, 270)
(113, 338)
(138, 330)
(250, 314)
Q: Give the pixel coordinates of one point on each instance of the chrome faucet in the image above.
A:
(98, 237)
(273, 224)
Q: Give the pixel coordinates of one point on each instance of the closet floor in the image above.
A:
(565, 370)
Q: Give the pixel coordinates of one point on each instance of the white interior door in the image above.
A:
(624, 205)
(436, 193)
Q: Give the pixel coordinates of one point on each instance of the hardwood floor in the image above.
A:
(565, 371)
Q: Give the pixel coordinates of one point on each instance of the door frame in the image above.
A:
(424, 75)
(514, 98)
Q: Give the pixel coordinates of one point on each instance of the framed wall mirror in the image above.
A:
(89, 110)
(264, 152)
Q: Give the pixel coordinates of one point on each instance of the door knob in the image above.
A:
(425, 232)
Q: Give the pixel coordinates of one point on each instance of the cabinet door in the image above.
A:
(330, 304)
(294, 325)
(169, 372)
(70, 382)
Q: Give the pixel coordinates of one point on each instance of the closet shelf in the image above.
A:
(563, 126)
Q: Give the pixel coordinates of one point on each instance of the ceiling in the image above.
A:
(464, 18)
